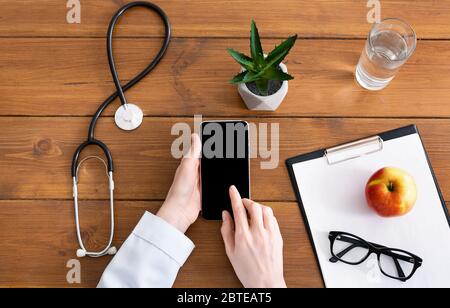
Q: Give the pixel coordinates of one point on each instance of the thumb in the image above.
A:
(188, 173)
(196, 147)
(227, 231)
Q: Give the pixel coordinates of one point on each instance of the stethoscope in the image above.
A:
(128, 117)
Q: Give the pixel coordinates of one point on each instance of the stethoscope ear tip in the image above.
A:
(81, 253)
(112, 251)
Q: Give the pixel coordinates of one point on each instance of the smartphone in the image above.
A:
(225, 162)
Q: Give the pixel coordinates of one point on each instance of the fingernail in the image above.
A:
(224, 216)
(233, 188)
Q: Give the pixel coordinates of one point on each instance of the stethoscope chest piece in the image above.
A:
(129, 117)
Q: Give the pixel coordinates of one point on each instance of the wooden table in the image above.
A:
(54, 75)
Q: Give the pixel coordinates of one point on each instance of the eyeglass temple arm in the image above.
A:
(400, 272)
(395, 257)
(344, 252)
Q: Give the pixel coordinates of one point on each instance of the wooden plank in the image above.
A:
(193, 79)
(36, 153)
(38, 239)
(319, 18)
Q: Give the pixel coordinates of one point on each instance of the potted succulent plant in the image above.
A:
(263, 80)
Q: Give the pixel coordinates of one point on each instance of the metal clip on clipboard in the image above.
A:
(354, 150)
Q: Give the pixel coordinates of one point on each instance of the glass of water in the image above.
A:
(390, 44)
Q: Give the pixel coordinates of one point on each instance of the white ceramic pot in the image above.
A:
(264, 103)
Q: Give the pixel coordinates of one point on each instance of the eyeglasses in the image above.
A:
(353, 250)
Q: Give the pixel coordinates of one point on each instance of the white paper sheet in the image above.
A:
(334, 200)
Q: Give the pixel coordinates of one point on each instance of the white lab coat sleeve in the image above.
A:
(150, 258)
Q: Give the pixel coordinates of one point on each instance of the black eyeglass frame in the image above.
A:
(377, 249)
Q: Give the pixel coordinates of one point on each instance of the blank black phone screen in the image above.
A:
(225, 162)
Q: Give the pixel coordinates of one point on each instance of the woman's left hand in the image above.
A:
(183, 203)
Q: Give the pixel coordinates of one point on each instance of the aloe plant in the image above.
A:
(260, 69)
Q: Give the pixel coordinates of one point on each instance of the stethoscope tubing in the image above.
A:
(122, 89)
(84, 145)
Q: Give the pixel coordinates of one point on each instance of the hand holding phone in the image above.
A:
(182, 205)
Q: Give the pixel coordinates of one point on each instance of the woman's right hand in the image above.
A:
(253, 243)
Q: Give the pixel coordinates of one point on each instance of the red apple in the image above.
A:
(391, 192)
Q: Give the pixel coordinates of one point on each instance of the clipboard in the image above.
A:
(312, 179)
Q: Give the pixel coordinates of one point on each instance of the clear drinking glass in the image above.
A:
(390, 44)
